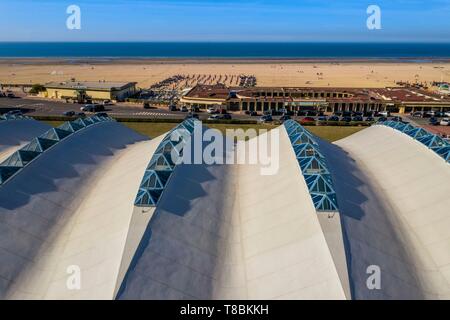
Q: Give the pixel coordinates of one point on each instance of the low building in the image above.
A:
(100, 90)
(325, 99)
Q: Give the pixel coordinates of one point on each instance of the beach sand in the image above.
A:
(268, 73)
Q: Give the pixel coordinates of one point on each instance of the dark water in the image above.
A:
(225, 50)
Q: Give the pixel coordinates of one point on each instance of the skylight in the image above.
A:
(313, 166)
(22, 157)
(161, 165)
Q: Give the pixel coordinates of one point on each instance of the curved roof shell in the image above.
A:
(16, 133)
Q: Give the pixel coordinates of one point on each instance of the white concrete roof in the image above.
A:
(72, 206)
(16, 133)
(394, 199)
(227, 232)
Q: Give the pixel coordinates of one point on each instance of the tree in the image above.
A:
(36, 88)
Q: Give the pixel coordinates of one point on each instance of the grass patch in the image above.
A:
(149, 129)
(332, 133)
(52, 122)
(154, 129)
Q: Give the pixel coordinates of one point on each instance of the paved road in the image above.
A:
(56, 108)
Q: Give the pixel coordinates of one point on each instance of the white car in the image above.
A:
(445, 122)
(215, 117)
(447, 113)
(384, 113)
(211, 110)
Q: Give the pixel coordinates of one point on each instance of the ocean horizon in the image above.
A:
(225, 50)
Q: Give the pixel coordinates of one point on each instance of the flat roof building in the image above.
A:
(101, 90)
(326, 99)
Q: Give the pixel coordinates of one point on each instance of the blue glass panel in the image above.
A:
(313, 166)
(161, 164)
(38, 145)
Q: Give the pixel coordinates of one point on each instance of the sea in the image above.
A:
(225, 50)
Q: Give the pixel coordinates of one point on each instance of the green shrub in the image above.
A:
(36, 88)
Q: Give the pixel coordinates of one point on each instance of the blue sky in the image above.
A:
(225, 20)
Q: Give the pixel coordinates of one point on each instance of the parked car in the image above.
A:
(397, 118)
(254, 114)
(107, 102)
(311, 113)
(69, 113)
(338, 113)
(285, 118)
(290, 113)
(347, 114)
(447, 114)
(301, 113)
(147, 105)
(81, 114)
(173, 108)
(10, 95)
(445, 122)
(308, 119)
(92, 108)
(212, 110)
(417, 114)
(357, 118)
(346, 119)
(322, 118)
(101, 114)
(192, 115)
(184, 109)
(86, 107)
(333, 118)
(384, 113)
(266, 118)
(382, 119)
(369, 119)
(214, 117)
(226, 116)
(433, 121)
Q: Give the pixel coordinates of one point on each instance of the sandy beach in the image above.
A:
(268, 73)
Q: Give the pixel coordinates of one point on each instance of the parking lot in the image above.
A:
(443, 131)
(41, 107)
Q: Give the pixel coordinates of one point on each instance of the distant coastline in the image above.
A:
(223, 51)
(149, 61)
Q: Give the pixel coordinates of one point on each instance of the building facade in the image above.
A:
(325, 99)
(101, 90)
